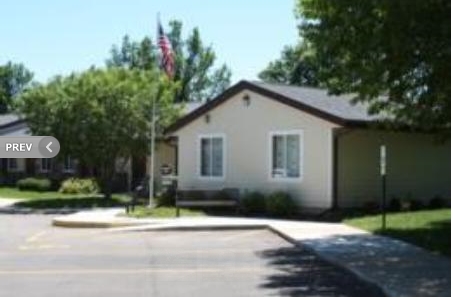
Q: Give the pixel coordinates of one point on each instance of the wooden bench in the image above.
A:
(207, 198)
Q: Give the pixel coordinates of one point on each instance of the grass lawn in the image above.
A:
(163, 212)
(56, 200)
(74, 202)
(429, 229)
(14, 193)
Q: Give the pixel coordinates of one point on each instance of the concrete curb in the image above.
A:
(90, 224)
(164, 227)
(107, 219)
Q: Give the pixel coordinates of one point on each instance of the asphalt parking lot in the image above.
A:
(37, 259)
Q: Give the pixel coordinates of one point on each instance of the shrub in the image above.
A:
(34, 184)
(405, 205)
(438, 202)
(280, 204)
(168, 197)
(253, 203)
(79, 186)
(371, 206)
(408, 203)
(395, 205)
(416, 205)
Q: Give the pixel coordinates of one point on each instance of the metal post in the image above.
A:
(383, 177)
(383, 201)
(153, 133)
(151, 164)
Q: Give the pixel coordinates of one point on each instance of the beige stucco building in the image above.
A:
(319, 148)
(262, 137)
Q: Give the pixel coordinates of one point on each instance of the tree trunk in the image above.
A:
(108, 189)
(107, 181)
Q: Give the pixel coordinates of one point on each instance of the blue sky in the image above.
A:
(58, 37)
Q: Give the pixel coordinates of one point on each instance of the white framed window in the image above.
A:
(69, 164)
(286, 155)
(46, 165)
(12, 164)
(211, 156)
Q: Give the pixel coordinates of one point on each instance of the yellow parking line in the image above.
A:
(35, 237)
(43, 246)
(35, 242)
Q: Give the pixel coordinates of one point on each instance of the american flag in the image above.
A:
(167, 62)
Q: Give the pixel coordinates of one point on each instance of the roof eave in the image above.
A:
(242, 85)
(12, 124)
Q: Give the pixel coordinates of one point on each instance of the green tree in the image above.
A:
(296, 66)
(100, 115)
(140, 55)
(396, 48)
(199, 80)
(194, 67)
(14, 78)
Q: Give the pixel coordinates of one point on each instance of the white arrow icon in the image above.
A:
(49, 147)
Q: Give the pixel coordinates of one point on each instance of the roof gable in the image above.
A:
(317, 102)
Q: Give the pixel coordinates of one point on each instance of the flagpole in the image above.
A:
(165, 47)
(152, 152)
(151, 166)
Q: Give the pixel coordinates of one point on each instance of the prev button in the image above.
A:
(49, 147)
(28, 147)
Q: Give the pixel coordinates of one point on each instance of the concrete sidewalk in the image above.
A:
(399, 268)
(7, 202)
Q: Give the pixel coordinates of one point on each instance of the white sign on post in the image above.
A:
(383, 160)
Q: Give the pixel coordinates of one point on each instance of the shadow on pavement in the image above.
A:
(302, 273)
(403, 269)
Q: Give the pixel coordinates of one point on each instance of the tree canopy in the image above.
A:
(140, 55)
(296, 66)
(14, 78)
(194, 63)
(396, 48)
(100, 115)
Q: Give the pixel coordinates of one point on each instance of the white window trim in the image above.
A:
(301, 156)
(68, 170)
(211, 178)
(11, 169)
(42, 170)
